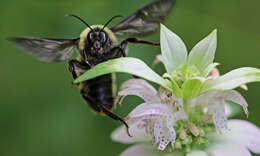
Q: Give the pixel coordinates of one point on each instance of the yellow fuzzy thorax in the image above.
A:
(84, 34)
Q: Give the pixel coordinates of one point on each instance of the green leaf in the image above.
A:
(202, 55)
(174, 51)
(191, 88)
(233, 79)
(125, 65)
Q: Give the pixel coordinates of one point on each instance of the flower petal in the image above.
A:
(242, 133)
(139, 88)
(140, 150)
(197, 153)
(138, 82)
(236, 97)
(138, 134)
(219, 117)
(164, 132)
(228, 150)
(161, 134)
(228, 110)
(171, 132)
(149, 111)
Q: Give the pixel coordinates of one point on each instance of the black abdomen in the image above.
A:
(98, 91)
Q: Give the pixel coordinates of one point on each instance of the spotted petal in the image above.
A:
(219, 116)
(164, 132)
(161, 134)
(214, 102)
(217, 106)
(214, 105)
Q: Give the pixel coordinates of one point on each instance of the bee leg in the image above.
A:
(115, 117)
(75, 65)
(120, 51)
(116, 52)
(137, 41)
(72, 68)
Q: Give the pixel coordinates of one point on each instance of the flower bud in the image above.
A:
(205, 119)
(193, 129)
(202, 132)
(182, 134)
(187, 140)
(177, 144)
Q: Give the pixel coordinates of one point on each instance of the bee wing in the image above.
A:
(45, 49)
(144, 20)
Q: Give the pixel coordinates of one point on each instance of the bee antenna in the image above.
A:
(80, 20)
(111, 19)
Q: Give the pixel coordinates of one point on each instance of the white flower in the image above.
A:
(242, 138)
(214, 103)
(155, 119)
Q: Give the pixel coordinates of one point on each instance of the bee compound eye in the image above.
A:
(91, 36)
(103, 37)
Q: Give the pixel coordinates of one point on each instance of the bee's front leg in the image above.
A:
(116, 52)
(77, 68)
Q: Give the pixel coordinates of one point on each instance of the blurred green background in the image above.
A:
(42, 114)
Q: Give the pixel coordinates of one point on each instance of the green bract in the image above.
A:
(173, 49)
(202, 55)
(233, 79)
(125, 65)
(186, 75)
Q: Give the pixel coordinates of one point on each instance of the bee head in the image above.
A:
(97, 39)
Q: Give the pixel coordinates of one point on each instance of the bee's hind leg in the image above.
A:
(137, 41)
(115, 117)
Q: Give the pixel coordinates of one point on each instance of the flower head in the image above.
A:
(159, 120)
(157, 116)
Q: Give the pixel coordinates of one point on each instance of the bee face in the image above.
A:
(97, 39)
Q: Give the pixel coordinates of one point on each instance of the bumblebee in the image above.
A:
(96, 44)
